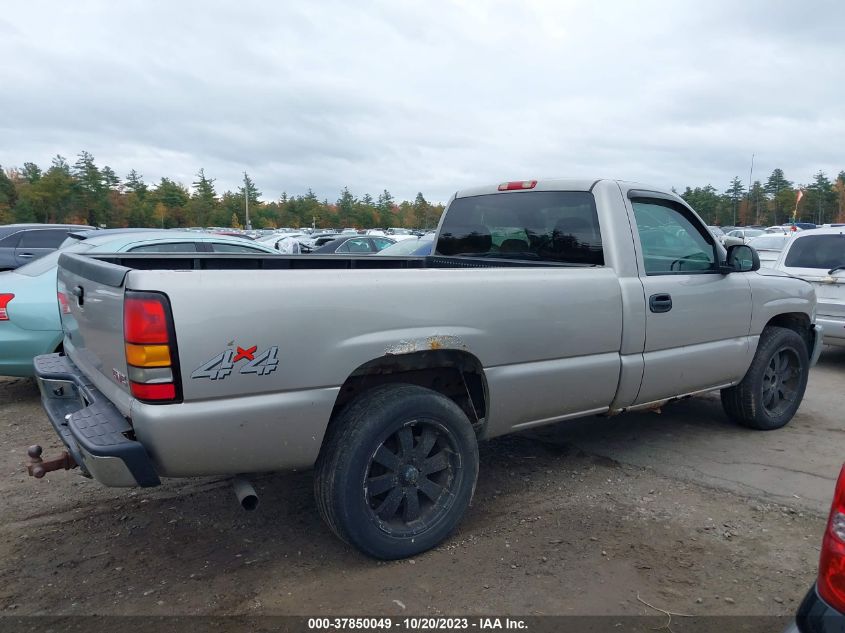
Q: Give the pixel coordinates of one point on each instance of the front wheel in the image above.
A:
(774, 385)
(397, 471)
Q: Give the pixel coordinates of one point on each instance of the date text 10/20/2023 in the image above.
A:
(417, 624)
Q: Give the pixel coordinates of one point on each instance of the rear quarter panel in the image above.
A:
(548, 339)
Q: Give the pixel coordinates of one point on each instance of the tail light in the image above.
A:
(150, 344)
(5, 298)
(831, 581)
(64, 306)
(517, 185)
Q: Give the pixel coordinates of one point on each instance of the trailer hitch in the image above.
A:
(36, 467)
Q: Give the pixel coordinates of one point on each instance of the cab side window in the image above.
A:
(672, 241)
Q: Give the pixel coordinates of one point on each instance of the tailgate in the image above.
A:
(91, 297)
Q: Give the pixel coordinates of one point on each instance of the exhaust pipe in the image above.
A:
(245, 493)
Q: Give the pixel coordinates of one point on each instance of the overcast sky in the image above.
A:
(426, 96)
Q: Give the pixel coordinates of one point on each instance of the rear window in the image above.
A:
(549, 226)
(10, 239)
(817, 251)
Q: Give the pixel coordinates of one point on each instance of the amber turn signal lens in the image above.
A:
(148, 355)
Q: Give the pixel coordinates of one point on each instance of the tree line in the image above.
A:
(771, 202)
(84, 193)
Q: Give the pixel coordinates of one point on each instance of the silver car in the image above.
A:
(818, 256)
(23, 243)
(769, 248)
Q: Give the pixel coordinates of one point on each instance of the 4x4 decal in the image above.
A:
(224, 363)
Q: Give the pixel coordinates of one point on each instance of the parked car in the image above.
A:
(717, 232)
(741, 236)
(400, 234)
(823, 608)
(361, 244)
(769, 247)
(274, 239)
(409, 248)
(784, 229)
(22, 243)
(238, 234)
(544, 301)
(29, 312)
(818, 256)
(316, 240)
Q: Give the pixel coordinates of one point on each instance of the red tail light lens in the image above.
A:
(517, 185)
(144, 320)
(5, 298)
(831, 581)
(150, 348)
(64, 306)
(166, 391)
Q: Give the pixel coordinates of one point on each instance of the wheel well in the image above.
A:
(456, 374)
(798, 322)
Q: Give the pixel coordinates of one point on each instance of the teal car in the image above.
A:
(29, 305)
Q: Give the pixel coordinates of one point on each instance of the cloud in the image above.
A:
(425, 96)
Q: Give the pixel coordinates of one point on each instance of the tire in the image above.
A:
(391, 445)
(772, 389)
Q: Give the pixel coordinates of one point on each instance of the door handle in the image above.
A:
(660, 303)
(25, 255)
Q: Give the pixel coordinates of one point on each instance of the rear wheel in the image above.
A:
(774, 385)
(397, 471)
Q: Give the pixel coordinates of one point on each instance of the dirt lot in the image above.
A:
(683, 509)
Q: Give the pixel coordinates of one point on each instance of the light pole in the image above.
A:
(750, 174)
(246, 202)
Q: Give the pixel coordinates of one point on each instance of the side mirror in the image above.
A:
(741, 259)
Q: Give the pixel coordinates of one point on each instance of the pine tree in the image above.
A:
(204, 200)
(775, 186)
(345, 207)
(385, 203)
(421, 209)
(135, 183)
(735, 193)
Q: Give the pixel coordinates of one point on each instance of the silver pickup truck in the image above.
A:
(543, 301)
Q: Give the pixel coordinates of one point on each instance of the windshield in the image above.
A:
(817, 251)
(551, 226)
(49, 261)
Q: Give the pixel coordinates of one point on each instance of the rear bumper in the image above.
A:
(834, 329)
(97, 436)
(816, 616)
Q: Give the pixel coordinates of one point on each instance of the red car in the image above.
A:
(823, 609)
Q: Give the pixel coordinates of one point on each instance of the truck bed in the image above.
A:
(234, 261)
